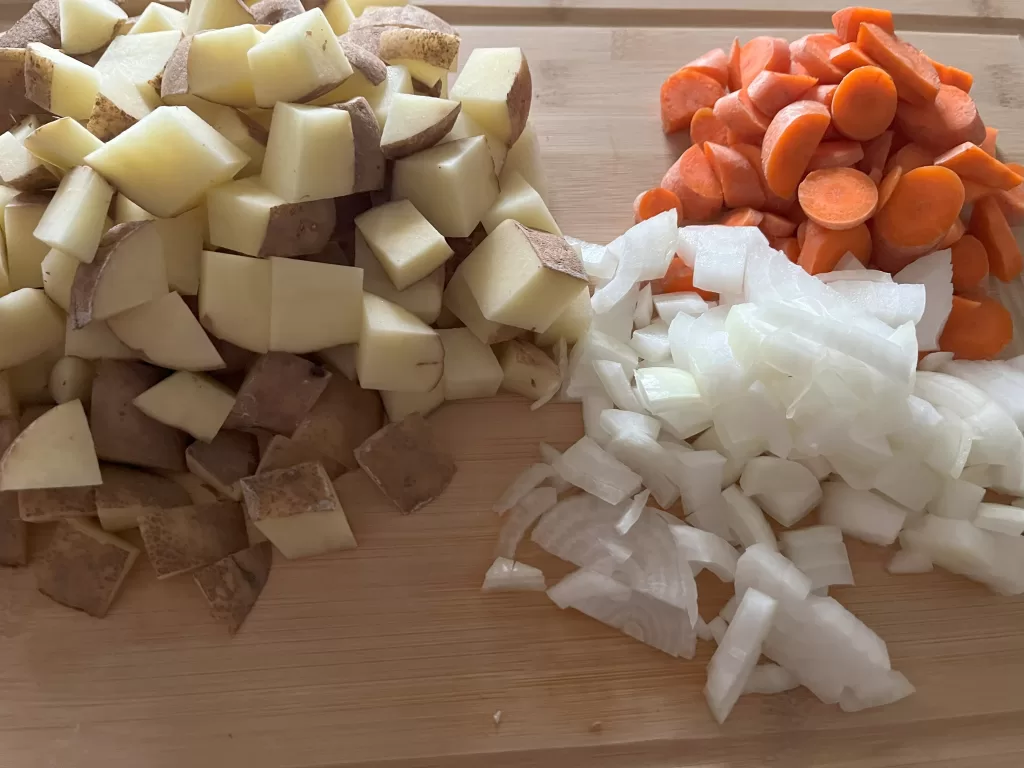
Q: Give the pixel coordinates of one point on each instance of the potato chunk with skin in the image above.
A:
(400, 404)
(71, 379)
(417, 123)
(572, 324)
(128, 494)
(229, 457)
(138, 60)
(404, 242)
(523, 277)
(159, 18)
(466, 128)
(495, 87)
(181, 237)
(64, 143)
(233, 124)
(119, 105)
(470, 367)
(176, 146)
(453, 185)
(370, 167)
(25, 253)
(166, 333)
(58, 83)
(297, 60)
(277, 393)
(183, 539)
(19, 168)
(379, 96)
(234, 299)
(422, 298)
(214, 65)
(88, 25)
(310, 153)
(233, 584)
(397, 351)
(527, 370)
(95, 342)
(520, 202)
(215, 14)
(54, 451)
(47, 505)
(30, 324)
(189, 402)
(58, 277)
(524, 158)
(75, 219)
(342, 418)
(313, 306)
(459, 300)
(246, 217)
(13, 532)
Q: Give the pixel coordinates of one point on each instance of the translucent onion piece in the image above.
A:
(934, 361)
(746, 519)
(941, 438)
(996, 378)
(703, 632)
(679, 330)
(736, 455)
(597, 346)
(644, 253)
(644, 312)
(1000, 518)
(819, 552)
(710, 359)
(588, 466)
(615, 382)
(525, 482)
(908, 482)
(707, 550)
(617, 322)
(909, 561)
(593, 406)
(755, 417)
(523, 515)
(668, 305)
(762, 568)
(669, 389)
(935, 273)
(786, 490)
(861, 514)
(770, 679)
(886, 687)
(632, 514)
(729, 609)
(651, 461)
(719, 255)
(818, 466)
(504, 575)
(892, 303)
(616, 423)
(699, 478)
(850, 262)
(718, 627)
(562, 360)
(651, 343)
(548, 454)
(713, 518)
(862, 274)
(598, 263)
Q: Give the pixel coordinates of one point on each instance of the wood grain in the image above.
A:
(390, 656)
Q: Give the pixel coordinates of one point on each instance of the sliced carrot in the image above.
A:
(848, 20)
(771, 91)
(735, 76)
(838, 198)
(885, 189)
(682, 94)
(1011, 201)
(772, 202)
(695, 184)
(973, 191)
(989, 142)
(788, 245)
(706, 127)
(823, 248)
(812, 53)
(978, 328)
(796, 68)
(741, 185)
(742, 217)
(969, 161)
(915, 78)
(789, 143)
(953, 235)
(876, 152)
(823, 94)
(941, 125)
(801, 232)
(836, 154)
(958, 78)
(909, 157)
(714, 64)
(654, 201)
(849, 56)
(970, 263)
(774, 225)
(746, 122)
(864, 104)
(760, 54)
(989, 225)
(679, 279)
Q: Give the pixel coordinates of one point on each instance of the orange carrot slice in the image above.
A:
(823, 94)
(746, 122)
(978, 328)
(771, 91)
(788, 246)
(941, 125)
(772, 202)
(838, 198)
(741, 185)
(864, 104)
(714, 64)
(970, 263)
(958, 78)
(885, 189)
(973, 191)
(654, 201)
(848, 20)
(953, 235)
(989, 142)
(876, 152)
(915, 78)
(742, 217)
(774, 225)
(801, 232)
(682, 94)
(823, 248)
(1011, 201)
(760, 54)
(695, 184)
(836, 154)
(848, 56)
(969, 161)
(735, 76)
(679, 279)
(812, 53)
(706, 127)
(909, 157)
(789, 143)
(989, 225)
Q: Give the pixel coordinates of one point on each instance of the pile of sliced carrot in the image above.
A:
(853, 142)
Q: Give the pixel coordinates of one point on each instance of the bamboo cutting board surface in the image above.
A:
(390, 655)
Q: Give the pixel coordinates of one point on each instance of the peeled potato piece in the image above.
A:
(495, 87)
(73, 222)
(189, 402)
(54, 451)
(165, 332)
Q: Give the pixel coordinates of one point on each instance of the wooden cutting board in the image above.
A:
(390, 655)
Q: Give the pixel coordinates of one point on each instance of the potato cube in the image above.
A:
(342, 418)
(404, 242)
(183, 539)
(428, 54)
(459, 300)
(400, 404)
(417, 123)
(30, 324)
(19, 168)
(528, 371)
(234, 125)
(214, 65)
(47, 505)
(224, 461)
(166, 333)
(422, 298)
(313, 306)
(246, 217)
(12, 80)
(139, 60)
(25, 253)
(64, 143)
(95, 342)
(283, 452)
(159, 18)
(380, 96)
(30, 381)
(297, 60)
(524, 158)
(495, 87)
(54, 451)
(181, 237)
(215, 14)
(572, 324)
(277, 393)
(234, 299)
(466, 128)
(128, 494)
(58, 83)
(189, 402)
(470, 367)
(397, 351)
(13, 532)
(310, 153)
(88, 25)
(520, 202)
(370, 167)
(523, 277)
(71, 379)
(233, 584)
(453, 185)
(119, 105)
(358, 6)
(338, 15)
(176, 146)
(75, 219)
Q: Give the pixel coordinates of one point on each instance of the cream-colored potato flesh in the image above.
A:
(158, 18)
(69, 85)
(20, 168)
(466, 128)
(88, 25)
(182, 239)
(25, 253)
(400, 404)
(63, 143)
(95, 341)
(30, 324)
(524, 158)
(520, 202)
(58, 277)
(380, 97)
(412, 119)
(73, 222)
(397, 351)
(71, 379)
(422, 298)
(404, 242)
(218, 65)
(190, 402)
(470, 367)
(54, 451)
(234, 299)
(310, 153)
(167, 334)
(572, 324)
(459, 300)
(234, 125)
(215, 14)
(139, 59)
(308, 534)
(313, 306)
(491, 87)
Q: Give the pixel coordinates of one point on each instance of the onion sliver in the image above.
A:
(524, 514)
(506, 575)
(770, 679)
(746, 519)
(861, 514)
(527, 480)
(588, 466)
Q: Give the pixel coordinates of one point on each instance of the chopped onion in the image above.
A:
(719, 255)
(598, 263)
(562, 360)
(699, 478)
(525, 482)
(706, 550)
(856, 275)
(588, 466)
(729, 609)
(718, 627)
(668, 305)
(818, 466)
(819, 552)
(736, 455)
(713, 518)
(593, 406)
(651, 343)
(644, 312)
(524, 514)
(708, 356)
(909, 561)
(934, 361)
(669, 389)
(1000, 518)
(770, 679)
(616, 384)
(892, 303)
(651, 461)
(549, 454)
(703, 631)
(850, 262)
(861, 514)
(506, 575)
(935, 273)
(885, 687)
(617, 322)
(617, 423)
(908, 482)
(755, 417)
(996, 378)
(644, 253)
(632, 513)
(746, 519)
(786, 490)
(596, 346)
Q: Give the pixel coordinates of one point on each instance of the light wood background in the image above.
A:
(389, 656)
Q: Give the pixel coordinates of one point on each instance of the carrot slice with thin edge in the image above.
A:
(909, 157)
(695, 184)
(735, 75)
(679, 279)
(978, 328)
(885, 189)
(774, 225)
(969, 161)
(682, 94)
(771, 91)
(772, 201)
(789, 143)
(801, 232)
(1011, 201)
(760, 54)
(714, 64)
(958, 78)
(970, 263)
(823, 94)
(847, 21)
(989, 142)
(812, 53)
(823, 248)
(706, 127)
(953, 235)
(836, 154)
(973, 191)
(948, 121)
(915, 78)
(788, 245)
(741, 185)
(848, 56)
(747, 123)
(838, 198)
(742, 217)
(989, 225)
(876, 152)
(864, 103)
(654, 201)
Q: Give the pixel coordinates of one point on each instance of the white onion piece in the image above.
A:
(861, 514)
(703, 631)
(632, 514)
(935, 273)
(755, 417)
(548, 453)
(718, 627)
(729, 609)
(615, 382)
(908, 482)
(617, 322)
(1000, 518)
(699, 478)
(819, 552)
(679, 330)
(597, 346)
(706, 550)
(849, 262)
(786, 490)
(997, 379)
(651, 461)
(710, 359)
(737, 653)
(588, 466)
(719, 255)
(598, 263)
(616, 423)
(980, 474)
(644, 253)
(892, 303)
(525, 482)
(909, 561)
(856, 275)
(885, 687)
(769, 679)
(592, 407)
(668, 305)
(524, 514)
(504, 575)
(562, 361)
(818, 466)
(713, 519)
(644, 312)
(736, 454)
(651, 343)
(634, 612)
(685, 422)
(934, 361)
(940, 438)
(669, 389)
(746, 519)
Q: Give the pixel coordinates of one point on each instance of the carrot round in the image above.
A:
(1011, 201)
(864, 104)
(958, 78)
(774, 225)
(823, 248)
(788, 246)
(801, 232)
(989, 142)
(969, 161)
(888, 184)
(915, 78)
(836, 154)
(741, 185)
(682, 94)
(771, 91)
(679, 279)
(946, 122)
(953, 234)
(838, 198)
(760, 54)
(654, 201)
(973, 191)
(876, 152)
(706, 127)
(735, 50)
(812, 53)
(789, 143)
(909, 157)
(772, 202)
(742, 217)
(823, 94)
(746, 122)
(989, 225)
(978, 328)
(920, 211)
(848, 20)
(695, 184)
(970, 263)
(714, 64)
(848, 56)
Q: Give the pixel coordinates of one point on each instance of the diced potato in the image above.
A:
(401, 404)
(54, 451)
(520, 202)
(358, 6)
(19, 168)
(88, 25)
(313, 306)
(64, 143)
(269, 12)
(422, 298)
(404, 242)
(470, 367)
(428, 54)
(189, 402)
(30, 324)
(128, 494)
(47, 505)
(223, 462)
(128, 271)
(466, 128)
(12, 81)
(214, 65)
(58, 83)
(495, 87)
(283, 452)
(339, 15)
(215, 14)
(370, 167)
(237, 126)
(341, 419)
(9, 406)
(30, 381)
(7, 194)
(176, 146)
(297, 60)
(25, 253)
(167, 334)
(73, 222)
(397, 351)
(158, 18)
(459, 300)
(71, 379)
(453, 185)
(181, 237)
(119, 105)
(139, 60)
(528, 371)
(246, 217)
(524, 158)
(13, 533)
(310, 153)
(523, 277)
(34, 27)
(234, 299)
(380, 96)
(183, 539)
(95, 341)
(278, 392)
(572, 324)
(233, 584)
(416, 123)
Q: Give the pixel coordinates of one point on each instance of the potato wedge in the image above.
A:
(400, 404)
(30, 324)
(30, 381)
(19, 168)
(416, 123)
(422, 298)
(47, 505)
(214, 65)
(403, 241)
(158, 18)
(186, 538)
(524, 158)
(470, 367)
(166, 333)
(119, 105)
(370, 169)
(520, 202)
(283, 452)
(215, 14)
(30, 28)
(572, 324)
(182, 239)
(379, 96)
(234, 299)
(278, 392)
(397, 351)
(527, 370)
(310, 153)
(496, 88)
(58, 83)
(138, 60)
(466, 128)
(64, 143)
(71, 379)
(313, 306)
(54, 451)
(236, 125)
(75, 219)
(25, 253)
(233, 584)
(341, 419)
(94, 342)
(459, 300)
(221, 463)
(189, 402)
(128, 494)
(88, 25)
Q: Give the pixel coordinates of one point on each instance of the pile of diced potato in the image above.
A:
(234, 238)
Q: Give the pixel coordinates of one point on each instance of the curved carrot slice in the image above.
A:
(885, 189)
(753, 155)
(970, 263)
(706, 127)
(714, 64)
(788, 245)
(915, 78)
(836, 154)
(741, 185)
(876, 152)
(823, 94)
(682, 94)
(864, 103)
(654, 201)
(909, 157)
(920, 211)
(973, 191)
(742, 217)
(695, 184)
(746, 122)
(679, 279)
(989, 225)
(969, 161)
(989, 142)
(848, 20)
(771, 91)
(978, 328)
(1011, 201)
(760, 54)
(958, 78)
(801, 232)
(812, 53)
(838, 198)
(789, 143)
(823, 248)
(848, 56)
(948, 121)
(953, 235)
(735, 76)
(774, 225)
